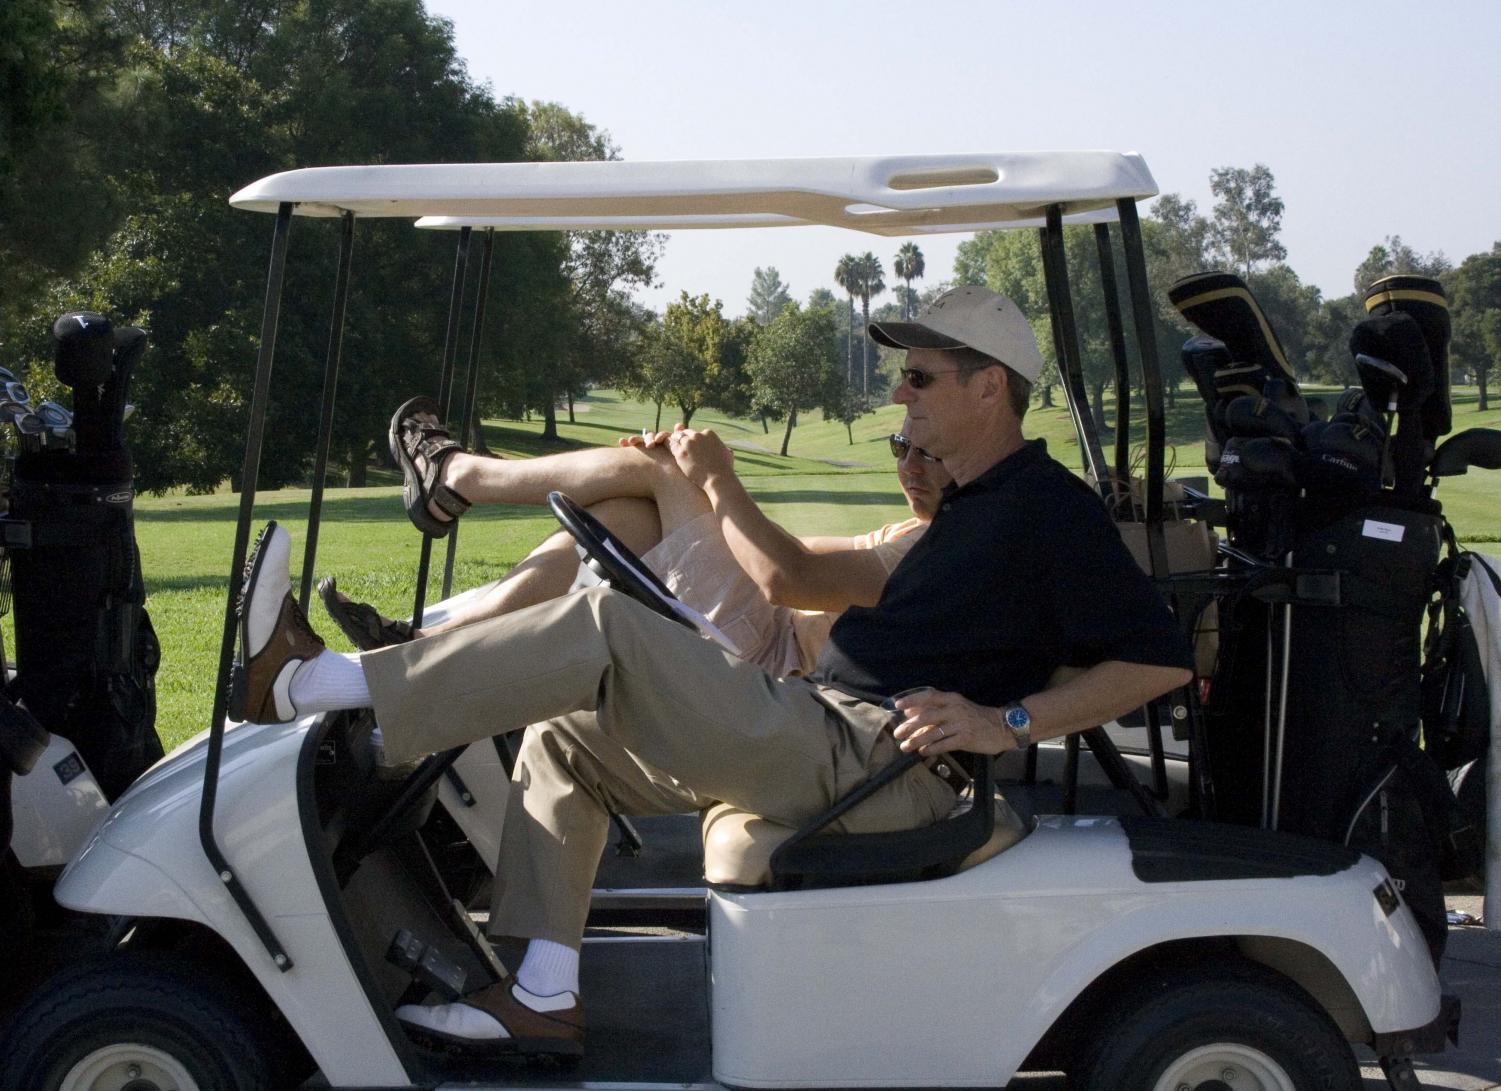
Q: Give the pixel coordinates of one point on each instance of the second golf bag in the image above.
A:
(86, 653)
(1314, 710)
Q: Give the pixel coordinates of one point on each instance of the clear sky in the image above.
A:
(1377, 118)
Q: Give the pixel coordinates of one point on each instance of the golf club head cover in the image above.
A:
(1222, 306)
(1251, 416)
(1258, 464)
(1354, 400)
(130, 346)
(1202, 358)
(1397, 339)
(1423, 298)
(85, 348)
(1282, 394)
(1341, 456)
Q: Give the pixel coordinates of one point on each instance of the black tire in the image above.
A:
(1242, 1016)
(137, 1009)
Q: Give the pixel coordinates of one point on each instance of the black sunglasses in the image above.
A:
(917, 378)
(900, 445)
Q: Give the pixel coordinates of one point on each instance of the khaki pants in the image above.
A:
(637, 714)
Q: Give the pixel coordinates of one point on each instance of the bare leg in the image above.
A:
(549, 570)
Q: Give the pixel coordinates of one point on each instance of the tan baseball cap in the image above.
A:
(969, 316)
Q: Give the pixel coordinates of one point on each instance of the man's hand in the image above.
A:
(652, 443)
(702, 456)
(937, 721)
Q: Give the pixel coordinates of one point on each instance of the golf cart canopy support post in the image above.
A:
(326, 414)
(471, 383)
(1117, 352)
(445, 382)
(1066, 341)
(249, 472)
(891, 196)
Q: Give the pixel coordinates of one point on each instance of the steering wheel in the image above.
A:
(612, 560)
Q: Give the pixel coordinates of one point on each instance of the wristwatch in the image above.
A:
(1018, 721)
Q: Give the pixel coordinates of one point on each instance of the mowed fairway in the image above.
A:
(827, 485)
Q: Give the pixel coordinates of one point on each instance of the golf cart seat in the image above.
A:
(741, 850)
(738, 845)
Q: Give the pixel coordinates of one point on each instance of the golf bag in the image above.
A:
(86, 653)
(1314, 709)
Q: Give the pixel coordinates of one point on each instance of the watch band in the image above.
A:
(1018, 721)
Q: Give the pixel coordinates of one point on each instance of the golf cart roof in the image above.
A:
(882, 195)
(704, 223)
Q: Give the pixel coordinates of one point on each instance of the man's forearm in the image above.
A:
(770, 555)
(1098, 695)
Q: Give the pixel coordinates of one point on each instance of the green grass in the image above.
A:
(826, 486)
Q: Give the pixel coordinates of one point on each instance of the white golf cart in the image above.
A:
(276, 899)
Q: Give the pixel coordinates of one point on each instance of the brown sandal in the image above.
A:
(364, 625)
(410, 439)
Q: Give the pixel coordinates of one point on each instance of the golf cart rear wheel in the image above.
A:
(140, 1023)
(1217, 1029)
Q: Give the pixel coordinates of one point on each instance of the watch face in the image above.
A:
(1017, 718)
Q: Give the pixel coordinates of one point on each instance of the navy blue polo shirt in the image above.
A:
(1021, 571)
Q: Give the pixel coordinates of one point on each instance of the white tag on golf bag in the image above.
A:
(1387, 532)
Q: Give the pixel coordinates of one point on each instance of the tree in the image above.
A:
(1292, 309)
(822, 298)
(1175, 238)
(869, 281)
(847, 276)
(1475, 288)
(1392, 256)
(680, 360)
(602, 268)
(768, 295)
(792, 363)
(909, 266)
(1247, 218)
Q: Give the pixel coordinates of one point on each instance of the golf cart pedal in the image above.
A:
(427, 964)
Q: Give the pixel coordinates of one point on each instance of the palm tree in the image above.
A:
(846, 276)
(909, 266)
(869, 282)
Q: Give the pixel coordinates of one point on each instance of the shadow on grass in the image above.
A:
(822, 496)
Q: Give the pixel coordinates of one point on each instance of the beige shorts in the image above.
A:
(696, 564)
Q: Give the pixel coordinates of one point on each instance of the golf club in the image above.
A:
(1377, 375)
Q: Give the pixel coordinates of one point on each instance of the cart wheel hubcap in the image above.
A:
(1225, 1066)
(130, 1066)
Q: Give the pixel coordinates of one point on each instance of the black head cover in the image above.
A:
(1222, 306)
(1203, 357)
(85, 348)
(1424, 299)
(1250, 415)
(1398, 340)
(1259, 463)
(1342, 456)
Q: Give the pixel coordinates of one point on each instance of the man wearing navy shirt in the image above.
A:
(1020, 573)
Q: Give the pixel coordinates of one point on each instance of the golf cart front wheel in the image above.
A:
(137, 1023)
(1231, 1029)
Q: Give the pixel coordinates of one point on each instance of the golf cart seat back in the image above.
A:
(738, 848)
(1191, 547)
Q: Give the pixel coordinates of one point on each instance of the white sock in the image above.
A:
(549, 968)
(328, 682)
